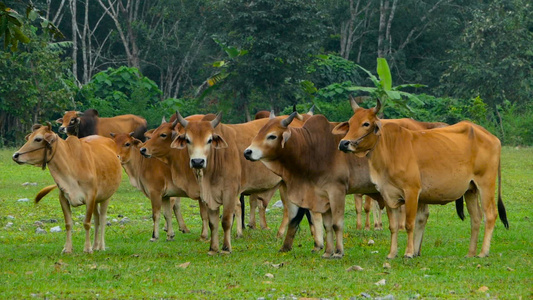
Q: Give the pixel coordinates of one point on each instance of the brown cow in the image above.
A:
(428, 167)
(87, 171)
(89, 123)
(153, 178)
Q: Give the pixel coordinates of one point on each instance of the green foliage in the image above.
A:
(36, 86)
(517, 123)
(493, 56)
(329, 69)
(122, 91)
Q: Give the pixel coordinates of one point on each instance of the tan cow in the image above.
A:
(87, 171)
(428, 167)
(88, 123)
(153, 178)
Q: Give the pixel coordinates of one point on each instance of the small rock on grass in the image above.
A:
(39, 230)
(386, 266)
(268, 275)
(354, 268)
(483, 289)
(381, 282)
(23, 200)
(370, 242)
(55, 229)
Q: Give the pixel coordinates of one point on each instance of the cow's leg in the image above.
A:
(420, 225)
(377, 212)
(214, 219)
(155, 199)
(367, 207)
(253, 208)
(472, 205)
(167, 203)
(67, 213)
(97, 223)
(204, 214)
(411, 208)
(358, 199)
(286, 214)
(176, 206)
(295, 214)
(103, 221)
(392, 213)
(318, 236)
(337, 204)
(328, 226)
(489, 208)
(227, 222)
(262, 205)
(238, 216)
(402, 215)
(87, 223)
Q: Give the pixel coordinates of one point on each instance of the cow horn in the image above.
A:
(285, 122)
(79, 113)
(311, 110)
(180, 119)
(354, 104)
(216, 121)
(49, 125)
(272, 115)
(378, 106)
(163, 120)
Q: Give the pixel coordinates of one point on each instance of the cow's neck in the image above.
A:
(133, 168)
(182, 175)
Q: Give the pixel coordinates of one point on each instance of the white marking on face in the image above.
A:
(256, 153)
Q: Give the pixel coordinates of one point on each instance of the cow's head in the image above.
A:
(125, 145)
(200, 139)
(269, 141)
(158, 144)
(38, 148)
(70, 119)
(361, 132)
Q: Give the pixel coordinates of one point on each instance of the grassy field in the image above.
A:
(32, 266)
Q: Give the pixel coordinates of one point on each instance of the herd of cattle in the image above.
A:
(313, 163)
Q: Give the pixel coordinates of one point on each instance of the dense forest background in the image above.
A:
(474, 58)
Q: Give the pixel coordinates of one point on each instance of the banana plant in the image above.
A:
(384, 90)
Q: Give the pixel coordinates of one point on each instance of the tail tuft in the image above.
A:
(502, 213)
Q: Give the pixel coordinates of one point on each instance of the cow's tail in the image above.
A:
(243, 203)
(460, 209)
(44, 192)
(295, 222)
(501, 208)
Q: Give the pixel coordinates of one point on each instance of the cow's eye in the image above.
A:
(210, 140)
(72, 121)
(271, 137)
(366, 124)
(187, 141)
(127, 145)
(38, 140)
(163, 135)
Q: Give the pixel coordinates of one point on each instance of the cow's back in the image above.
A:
(121, 124)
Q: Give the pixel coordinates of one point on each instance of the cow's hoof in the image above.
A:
(170, 239)
(337, 255)
(185, 230)
(212, 253)
(251, 226)
(327, 255)
(153, 240)
(285, 249)
(66, 251)
(225, 252)
(408, 256)
(239, 236)
(317, 249)
(481, 255)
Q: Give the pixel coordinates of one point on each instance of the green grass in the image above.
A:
(31, 265)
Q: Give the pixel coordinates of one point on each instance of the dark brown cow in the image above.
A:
(153, 178)
(89, 123)
(428, 167)
(87, 171)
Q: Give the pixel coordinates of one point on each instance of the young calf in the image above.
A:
(87, 171)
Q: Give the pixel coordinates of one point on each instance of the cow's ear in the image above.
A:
(136, 142)
(341, 128)
(50, 137)
(377, 128)
(286, 136)
(148, 134)
(59, 121)
(219, 142)
(180, 142)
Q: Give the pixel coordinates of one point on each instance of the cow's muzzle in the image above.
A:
(62, 129)
(344, 146)
(144, 152)
(16, 157)
(248, 154)
(197, 163)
